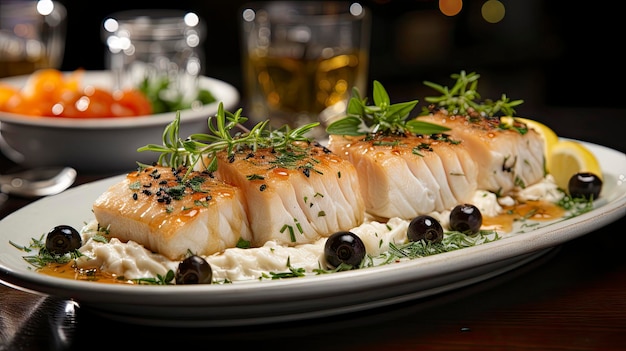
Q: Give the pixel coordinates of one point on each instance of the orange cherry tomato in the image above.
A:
(50, 92)
(19, 105)
(91, 102)
(6, 92)
(133, 101)
(49, 84)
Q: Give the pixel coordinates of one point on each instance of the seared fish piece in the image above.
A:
(172, 215)
(294, 196)
(405, 176)
(506, 158)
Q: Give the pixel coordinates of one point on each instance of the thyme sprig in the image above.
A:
(383, 116)
(197, 148)
(463, 98)
(167, 279)
(44, 257)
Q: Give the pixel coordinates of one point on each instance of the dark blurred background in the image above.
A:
(562, 58)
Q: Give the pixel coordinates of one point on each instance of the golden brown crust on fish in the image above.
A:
(507, 157)
(173, 213)
(408, 175)
(294, 195)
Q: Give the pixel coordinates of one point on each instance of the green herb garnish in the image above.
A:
(463, 99)
(165, 98)
(383, 117)
(201, 147)
(168, 279)
(292, 273)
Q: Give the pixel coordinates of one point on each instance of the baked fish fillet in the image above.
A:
(405, 176)
(506, 157)
(294, 196)
(170, 215)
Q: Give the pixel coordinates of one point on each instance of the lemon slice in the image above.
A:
(570, 157)
(548, 135)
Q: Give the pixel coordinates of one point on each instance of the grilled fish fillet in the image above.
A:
(405, 176)
(296, 196)
(506, 158)
(158, 209)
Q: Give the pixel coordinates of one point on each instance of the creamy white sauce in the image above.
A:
(133, 261)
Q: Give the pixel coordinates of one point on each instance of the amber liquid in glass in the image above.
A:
(21, 66)
(291, 86)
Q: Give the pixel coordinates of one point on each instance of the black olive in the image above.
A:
(585, 185)
(194, 270)
(63, 239)
(425, 228)
(344, 247)
(466, 218)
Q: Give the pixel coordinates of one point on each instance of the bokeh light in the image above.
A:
(450, 7)
(45, 7)
(493, 11)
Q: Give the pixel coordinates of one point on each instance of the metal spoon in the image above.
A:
(37, 182)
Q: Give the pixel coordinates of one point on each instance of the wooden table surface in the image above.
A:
(574, 298)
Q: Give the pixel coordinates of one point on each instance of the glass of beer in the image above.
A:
(32, 36)
(302, 59)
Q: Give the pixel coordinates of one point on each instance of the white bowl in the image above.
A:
(100, 145)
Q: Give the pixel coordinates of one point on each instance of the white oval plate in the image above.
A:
(267, 301)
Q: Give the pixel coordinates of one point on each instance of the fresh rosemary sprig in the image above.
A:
(382, 117)
(463, 98)
(177, 152)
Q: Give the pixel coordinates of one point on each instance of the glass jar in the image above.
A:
(156, 49)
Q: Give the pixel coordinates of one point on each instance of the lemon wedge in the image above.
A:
(569, 157)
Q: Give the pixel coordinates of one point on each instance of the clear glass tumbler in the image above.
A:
(160, 48)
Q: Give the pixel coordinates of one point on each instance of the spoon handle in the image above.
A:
(37, 182)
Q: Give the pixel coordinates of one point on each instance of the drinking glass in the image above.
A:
(158, 47)
(302, 58)
(32, 36)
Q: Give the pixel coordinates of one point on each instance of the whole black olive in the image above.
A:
(344, 247)
(194, 270)
(585, 185)
(466, 218)
(63, 239)
(425, 228)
